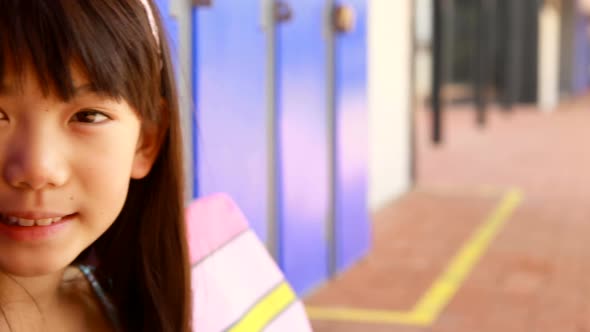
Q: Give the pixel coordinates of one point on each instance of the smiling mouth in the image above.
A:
(16, 221)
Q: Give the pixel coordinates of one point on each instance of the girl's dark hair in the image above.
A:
(143, 255)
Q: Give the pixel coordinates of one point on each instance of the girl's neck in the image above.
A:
(59, 301)
(42, 291)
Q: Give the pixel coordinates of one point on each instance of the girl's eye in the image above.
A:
(90, 116)
(3, 116)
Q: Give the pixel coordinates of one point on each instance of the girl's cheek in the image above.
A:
(105, 153)
(102, 169)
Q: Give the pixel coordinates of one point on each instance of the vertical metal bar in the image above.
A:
(492, 47)
(272, 125)
(195, 96)
(505, 19)
(437, 67)
(448, 48)
(331, 131)
(514, 68)
(567, 34)
(509, 55)
(480, 63)
(528, 12)
(182, 10)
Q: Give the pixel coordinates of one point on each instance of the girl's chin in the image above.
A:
(36, 267)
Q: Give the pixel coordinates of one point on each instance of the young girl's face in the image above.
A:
(65, 167)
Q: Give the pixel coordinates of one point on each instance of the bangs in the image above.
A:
(109, 41)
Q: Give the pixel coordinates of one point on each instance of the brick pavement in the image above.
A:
(535, 275)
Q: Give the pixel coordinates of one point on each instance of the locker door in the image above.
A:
(229, 94)
(303, 148)
(164, 8)
(351, 224)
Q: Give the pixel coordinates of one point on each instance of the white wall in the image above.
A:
(389, 99)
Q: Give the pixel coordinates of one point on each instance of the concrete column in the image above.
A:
(549, 62)
(389, 77)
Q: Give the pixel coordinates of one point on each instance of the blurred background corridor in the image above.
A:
(410, 165)
(492, 235)
(531, 277)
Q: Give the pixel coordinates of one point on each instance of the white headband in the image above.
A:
(153, 25)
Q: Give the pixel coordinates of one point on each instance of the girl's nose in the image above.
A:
(34, 161)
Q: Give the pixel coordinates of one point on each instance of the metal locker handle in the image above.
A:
(343, 18)
(202, 3)
(283, 12)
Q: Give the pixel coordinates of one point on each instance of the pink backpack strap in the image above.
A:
(236, 284)
(213, 221)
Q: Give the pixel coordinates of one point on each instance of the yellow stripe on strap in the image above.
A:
(266, 310)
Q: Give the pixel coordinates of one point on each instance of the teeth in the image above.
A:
(44, 222)
(26, 222)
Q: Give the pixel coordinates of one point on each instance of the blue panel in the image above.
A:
(163, 7)
(173, 37)
(581, 78)
(303, 144)
(352, 226)
(229, 92)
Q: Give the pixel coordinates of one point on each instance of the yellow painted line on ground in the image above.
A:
(436, 298)
(267, 309)
(363, 316)
(445, 287)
